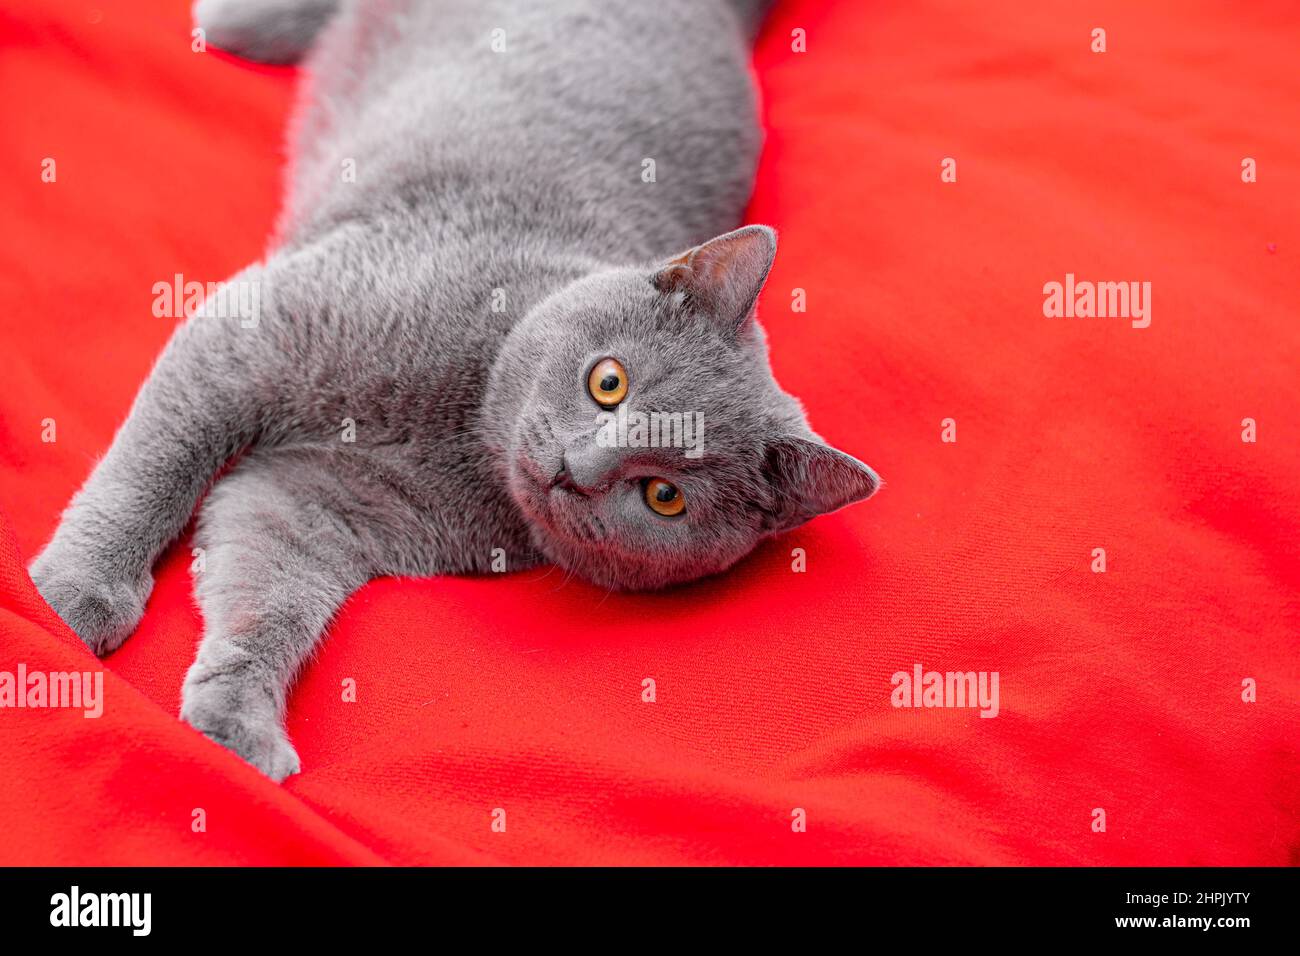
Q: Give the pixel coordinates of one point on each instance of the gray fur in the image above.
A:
(476, 171)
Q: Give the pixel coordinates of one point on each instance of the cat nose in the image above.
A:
(565, 480)
(586, 467)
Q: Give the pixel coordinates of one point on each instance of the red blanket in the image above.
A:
(1162, 691)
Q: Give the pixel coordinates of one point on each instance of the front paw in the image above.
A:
(100, 607)
(231, 708)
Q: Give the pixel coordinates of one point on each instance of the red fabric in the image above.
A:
(1119, 691)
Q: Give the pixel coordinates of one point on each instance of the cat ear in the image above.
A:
(810, 478)
(724, 275)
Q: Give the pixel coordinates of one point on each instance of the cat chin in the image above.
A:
(614, 568)
(557, 528)
(569, 535)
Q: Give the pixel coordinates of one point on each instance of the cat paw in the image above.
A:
(229, 710)
(101, 609)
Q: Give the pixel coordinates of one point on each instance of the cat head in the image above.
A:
(649, 443)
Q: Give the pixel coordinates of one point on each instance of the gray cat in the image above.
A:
(475, 263)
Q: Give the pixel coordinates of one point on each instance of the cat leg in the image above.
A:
(284, 541)
(268, 31)
(196, 409)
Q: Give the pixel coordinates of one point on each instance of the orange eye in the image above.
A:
(608, 382)
(664, 498)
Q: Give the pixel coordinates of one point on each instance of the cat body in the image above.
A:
(481, 215)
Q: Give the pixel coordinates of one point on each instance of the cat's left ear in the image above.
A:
(810, 478)
(723, 276)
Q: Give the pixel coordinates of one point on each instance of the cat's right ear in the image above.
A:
(723, 276)
(810, 478)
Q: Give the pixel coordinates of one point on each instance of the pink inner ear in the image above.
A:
(724, 274)
(709, 262)
(675, 278)
(717, 258)
(714, 263)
